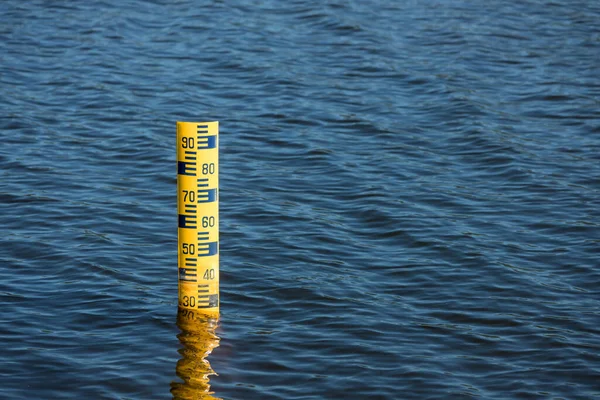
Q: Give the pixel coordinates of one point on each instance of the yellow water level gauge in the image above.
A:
(198, 214)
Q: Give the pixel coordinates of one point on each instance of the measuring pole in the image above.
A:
(198, 214)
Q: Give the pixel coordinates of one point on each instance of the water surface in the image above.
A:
(410, 196)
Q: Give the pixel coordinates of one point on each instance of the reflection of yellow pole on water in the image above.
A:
(198, 338)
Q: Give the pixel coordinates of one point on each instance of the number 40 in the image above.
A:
(209, 274)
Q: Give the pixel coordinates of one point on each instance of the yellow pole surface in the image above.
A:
(198, 209)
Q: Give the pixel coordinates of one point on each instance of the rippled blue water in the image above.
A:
(410, 198)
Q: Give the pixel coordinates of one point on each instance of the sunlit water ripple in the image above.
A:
(410, 196)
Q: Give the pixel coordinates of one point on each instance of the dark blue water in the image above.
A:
(410, 199)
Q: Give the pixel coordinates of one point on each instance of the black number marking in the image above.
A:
(189, 301)
(189, 194)
(208, 169)
(189, 314)
(209, 274)
(208, 222)
(188, 248)
(187, 143)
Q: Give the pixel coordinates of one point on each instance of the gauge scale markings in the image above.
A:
(197, 167)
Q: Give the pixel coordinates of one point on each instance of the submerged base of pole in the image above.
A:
(198, 337)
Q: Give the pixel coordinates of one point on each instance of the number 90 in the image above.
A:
(187, 143)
